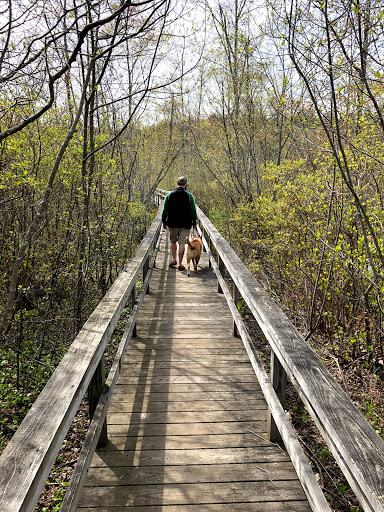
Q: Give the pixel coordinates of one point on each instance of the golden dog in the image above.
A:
(194, 249)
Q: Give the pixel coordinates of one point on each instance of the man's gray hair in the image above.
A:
(182, 180)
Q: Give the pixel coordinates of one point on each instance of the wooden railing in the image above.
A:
(29, 456)
(358, 450)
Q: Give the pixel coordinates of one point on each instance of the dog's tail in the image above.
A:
(189, 242)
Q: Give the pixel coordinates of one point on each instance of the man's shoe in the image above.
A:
(173, 264)
(181, 267)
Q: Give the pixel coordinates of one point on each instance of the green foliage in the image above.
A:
(301, 238)
(56, 500)
(323, 453)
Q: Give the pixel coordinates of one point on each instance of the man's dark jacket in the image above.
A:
(179, 209)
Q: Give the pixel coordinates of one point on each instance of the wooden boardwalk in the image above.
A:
(187, 422)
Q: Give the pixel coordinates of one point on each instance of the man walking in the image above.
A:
(179, 215)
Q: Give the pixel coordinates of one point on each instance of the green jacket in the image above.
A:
(179, 210)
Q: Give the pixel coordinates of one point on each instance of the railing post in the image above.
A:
(221, 266)
(279, 383)
(95, 389)
(210, 248)
(236, 296)
(145, 271)
(133, 300)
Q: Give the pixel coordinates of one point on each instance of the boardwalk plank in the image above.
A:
(187, 442)
(177, 494)
(214, 335)
(190, 365)
(181, 429)
(130, 394)
(164, 387)
(262, 471)
(186, 417)
(118, 406)
(275, 506)
(157, 342)
(202, 317)
(186, 352)
(188, 379)
(185, 370)
(212, 456)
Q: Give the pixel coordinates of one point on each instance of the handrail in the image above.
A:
(358, 450)
(29, 456)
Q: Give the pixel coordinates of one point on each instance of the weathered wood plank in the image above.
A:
(185, 370)
(213, 334)
(191, 387)
(95, 390)
(160, 342)
(186, 417)
(186, 349)
(279, 384)
(188, 379)
(195, 406)
(186, 318)
(171, 494)
(156, 387)
(129, 394)
(201, 351)
(189, 365)
(179, 429)
(187, 442)
(212, 456)
(190, 306)
(189, 333)
(251, 472)
(196, 292)
(188, 354)
(179, 308)
(285, 506)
